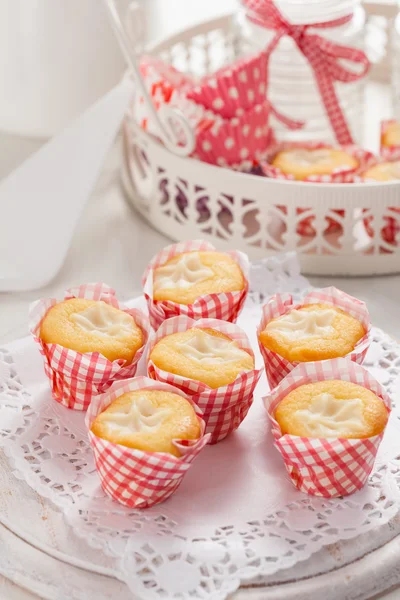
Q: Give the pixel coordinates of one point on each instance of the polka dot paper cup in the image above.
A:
(237, 143)
(136, 478)
(223, 408)
(276, 366)
(234, 89)
(332, 467)
(75, 378)
(226, 306)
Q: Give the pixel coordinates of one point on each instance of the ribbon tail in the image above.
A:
(287, 121)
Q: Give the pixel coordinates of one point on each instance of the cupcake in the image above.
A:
(92, 326)
(303, 163)
(383, 172)
(192, 279)
(213, 361)
(390, 140)
(316, 162)
(328, 324)
(88, 341)
(331, 408)
(328, 420)
(204, 355)
(144, 435)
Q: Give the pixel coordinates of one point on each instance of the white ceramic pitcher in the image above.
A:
(56, 58)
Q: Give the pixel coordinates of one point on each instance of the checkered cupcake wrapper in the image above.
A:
(305, 227)
(76, 377)
(223, 408)
(389, 153)
(225, 306)
(276, 366)
(136, 478)
(331, 467)
(235, 88)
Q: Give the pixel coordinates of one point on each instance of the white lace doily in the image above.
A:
(236, 515)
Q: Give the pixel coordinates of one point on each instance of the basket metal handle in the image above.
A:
(168, 120)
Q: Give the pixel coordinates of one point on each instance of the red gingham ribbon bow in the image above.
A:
(322, 54)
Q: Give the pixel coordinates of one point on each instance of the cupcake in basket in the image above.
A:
(145, 436)
(88, 341)
(327, 324)
(211, 360)
(328, 420)
(193, 279)
(386, 171)
(390, 140)
(316, 162)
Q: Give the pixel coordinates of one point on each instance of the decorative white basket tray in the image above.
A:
(186, 199)
(235, 520)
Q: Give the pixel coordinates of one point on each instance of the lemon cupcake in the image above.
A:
(385, 171)
(328, 420)
(186, 277)
(211, 360)
(390, 136)
(193, 279)
(145, 436)
(148, 420)
(303, 163)
(204, 355)
(328, 324)
(92, 326)
(333, 408)
(88, 341)
(312, 332)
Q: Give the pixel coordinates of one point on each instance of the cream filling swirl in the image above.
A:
(327, 416)
(142, 416)
(303, 324)
(206, 348)
(100, 319)
(185, 272)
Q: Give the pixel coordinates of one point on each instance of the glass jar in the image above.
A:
(292, 86)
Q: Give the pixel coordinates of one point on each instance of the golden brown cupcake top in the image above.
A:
(391, 137)
(305, 162)
(312, 332)
(148, 420)
(187, 276)
(331, 409)
(385, 171)
(92, 326)
(204, 355)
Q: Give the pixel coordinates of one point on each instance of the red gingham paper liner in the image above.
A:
(389, 153)
(278, 367)
(331, 467)
(235, 88)
(136, 478)
(239, 142)
(75, 377)
(341, 175)
(226, 306)
(223, 408)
